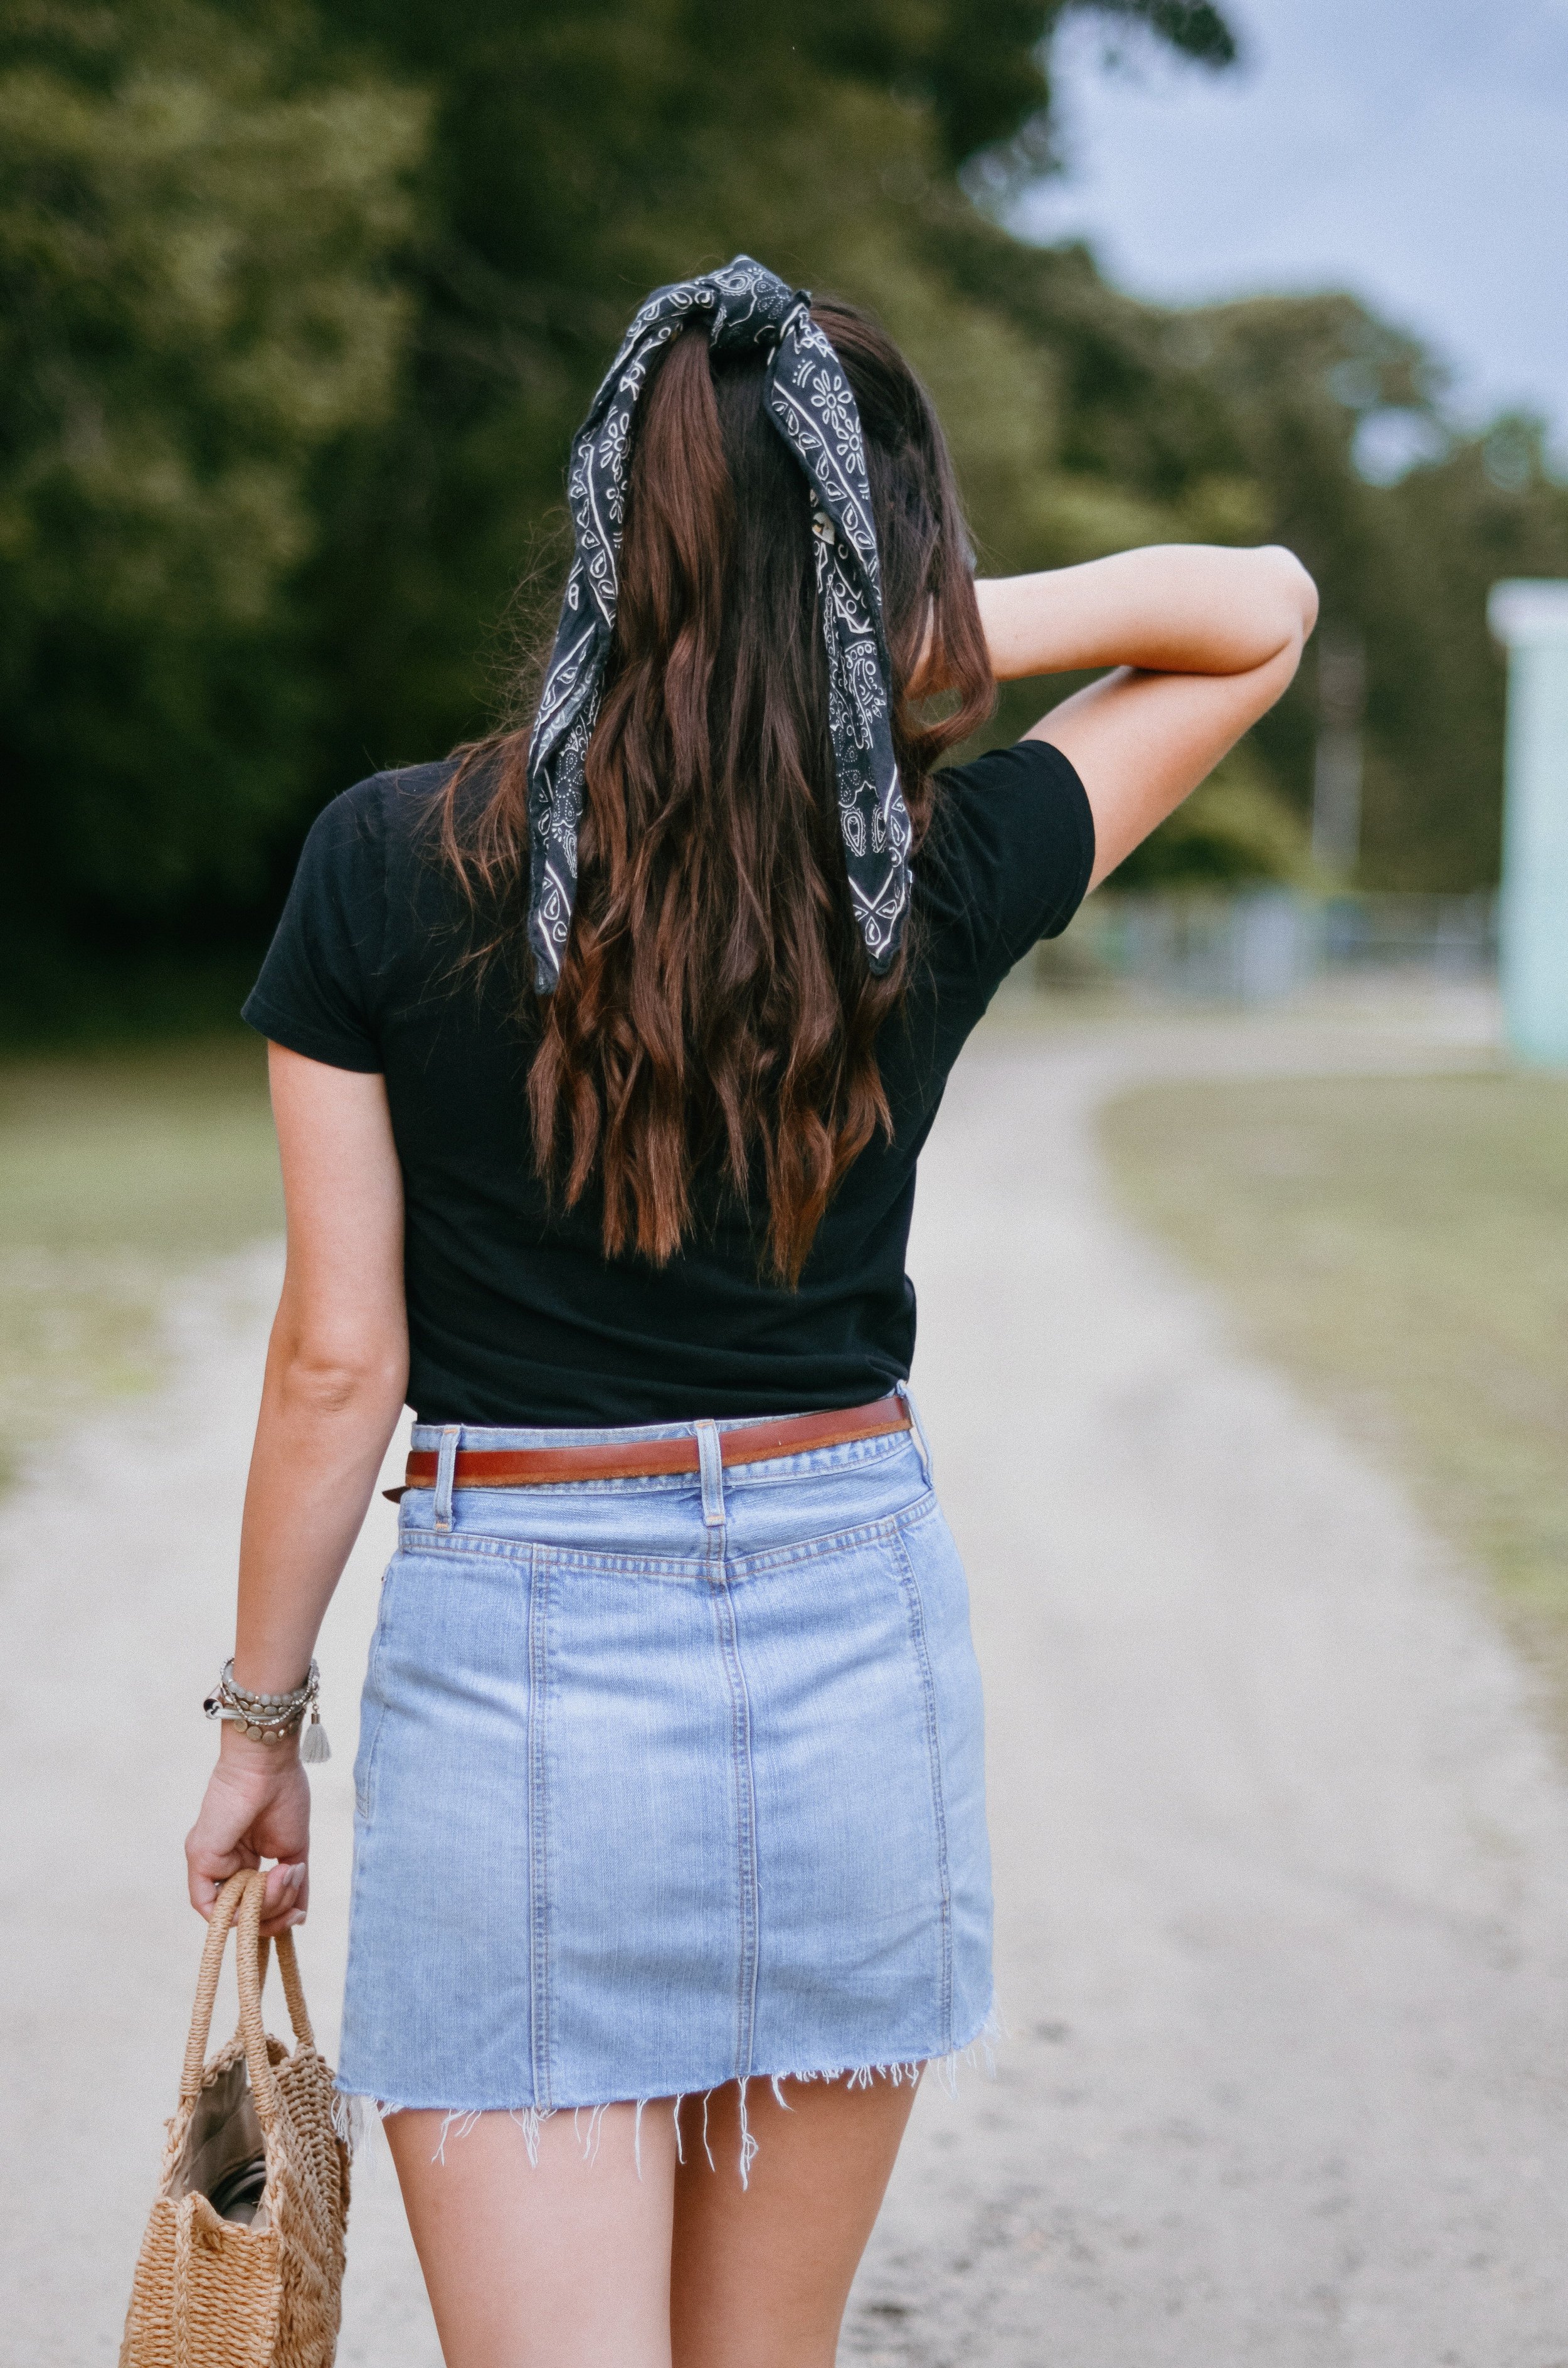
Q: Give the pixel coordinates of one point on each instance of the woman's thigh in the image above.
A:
(760, 2273)
(553, 2262)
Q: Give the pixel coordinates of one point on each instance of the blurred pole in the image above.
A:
(1336, 772)
(1531, 619)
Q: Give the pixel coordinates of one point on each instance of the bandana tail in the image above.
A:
(812, 405)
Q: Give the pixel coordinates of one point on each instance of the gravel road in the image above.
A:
(1281, 1852)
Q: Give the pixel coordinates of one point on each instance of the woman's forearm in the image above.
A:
(320, 1439)
(1171, 608)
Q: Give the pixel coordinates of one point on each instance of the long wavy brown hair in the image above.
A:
(715, 1009)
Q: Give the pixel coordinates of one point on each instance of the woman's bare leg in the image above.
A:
(760, 2274)
(549, 2265)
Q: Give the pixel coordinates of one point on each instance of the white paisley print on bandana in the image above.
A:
(813, 406)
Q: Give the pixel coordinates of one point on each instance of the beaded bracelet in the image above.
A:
(271, 1718)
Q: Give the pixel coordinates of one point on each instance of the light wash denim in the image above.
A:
(666, 1782)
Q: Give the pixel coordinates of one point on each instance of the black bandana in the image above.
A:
(809, 403)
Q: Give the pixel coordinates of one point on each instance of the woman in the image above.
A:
(601, 1061)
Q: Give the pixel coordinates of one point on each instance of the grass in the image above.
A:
(118, 1174)
(1400, 1246)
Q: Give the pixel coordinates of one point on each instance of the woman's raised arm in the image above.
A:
(1203, 639)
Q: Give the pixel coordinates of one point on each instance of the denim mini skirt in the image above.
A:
(665, 1782)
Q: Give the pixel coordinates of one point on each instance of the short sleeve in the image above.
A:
(1009, 856)
(317, 991)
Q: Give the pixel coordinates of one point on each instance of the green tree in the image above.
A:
(194, 244)
(303, 302)
(302, 305)
(1247, 422)
(1486, 509)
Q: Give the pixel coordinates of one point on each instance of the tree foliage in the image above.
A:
(190, 246)
(303, 302)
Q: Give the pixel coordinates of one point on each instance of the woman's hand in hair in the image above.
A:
(1203, 639)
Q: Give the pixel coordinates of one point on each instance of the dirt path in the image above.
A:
(1282, 1861)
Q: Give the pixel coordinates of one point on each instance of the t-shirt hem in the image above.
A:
(280, 1027)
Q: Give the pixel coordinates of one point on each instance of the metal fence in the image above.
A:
(1261, 945)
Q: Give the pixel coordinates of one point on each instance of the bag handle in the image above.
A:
(245, 1892)
(294, 1988)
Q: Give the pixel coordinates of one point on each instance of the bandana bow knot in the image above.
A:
(810, 402)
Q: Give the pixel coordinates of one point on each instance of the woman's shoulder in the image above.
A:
(370, 866)
(376, 846)
(1011, 846)
(392, 809)
(362, 922)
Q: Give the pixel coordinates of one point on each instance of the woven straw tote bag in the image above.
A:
(216, 2287)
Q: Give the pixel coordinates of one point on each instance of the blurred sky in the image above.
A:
(1413, 150)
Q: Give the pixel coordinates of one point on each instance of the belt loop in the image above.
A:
(446, 1467)
(922, 1446)
(713, 1467)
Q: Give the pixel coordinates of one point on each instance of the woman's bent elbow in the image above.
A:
(1293, 589)
(327, 1388)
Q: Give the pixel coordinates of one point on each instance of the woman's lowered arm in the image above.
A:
(336, 1370)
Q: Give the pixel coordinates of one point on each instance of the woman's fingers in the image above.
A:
(284, 1901)
(207, 1870)
(285, 1897)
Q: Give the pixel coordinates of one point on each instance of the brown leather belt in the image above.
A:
(628, 1459)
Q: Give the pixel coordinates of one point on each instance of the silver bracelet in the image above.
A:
(271, 1718)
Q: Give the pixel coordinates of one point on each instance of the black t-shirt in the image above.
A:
(515, 1314)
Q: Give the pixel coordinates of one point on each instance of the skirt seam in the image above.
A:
(916, 1613)
(745, 1793)
(425, 1542)
(539, 1839)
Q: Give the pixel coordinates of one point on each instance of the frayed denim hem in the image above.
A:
(351, 2112)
